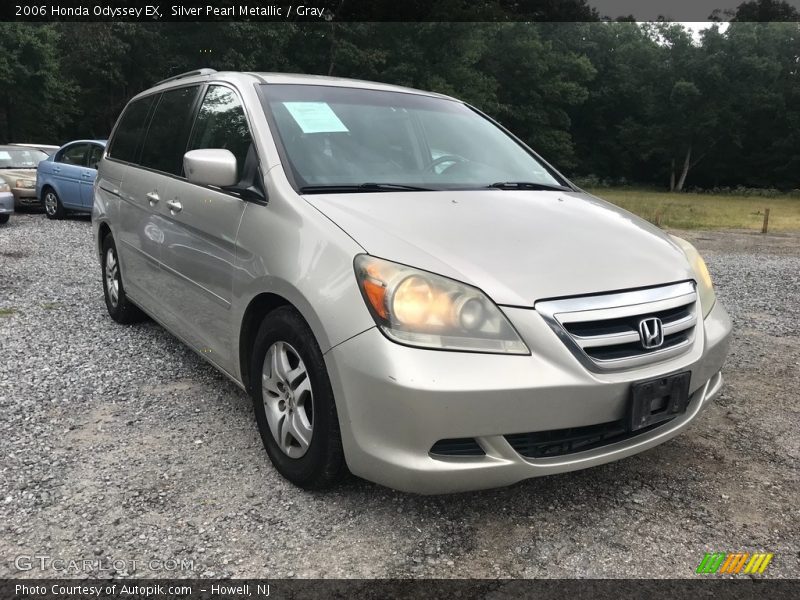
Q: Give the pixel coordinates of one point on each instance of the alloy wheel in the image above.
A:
(288, 399)
(50, 203)
(112, 276)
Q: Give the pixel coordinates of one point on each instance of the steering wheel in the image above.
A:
(443, 159)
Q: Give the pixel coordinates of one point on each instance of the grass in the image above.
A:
(707, 211)
(7, 312)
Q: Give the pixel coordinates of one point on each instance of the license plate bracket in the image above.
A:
(659, 399)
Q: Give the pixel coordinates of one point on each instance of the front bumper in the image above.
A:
(396, 402)
(25, 196)
(6, 203)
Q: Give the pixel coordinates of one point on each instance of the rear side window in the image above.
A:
(74, 155)
(168, 133)
(95, 154)
(221, 123)
(130, 130)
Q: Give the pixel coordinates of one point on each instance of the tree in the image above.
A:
(762, 61)
(539, 80)
(683, 98)
(766, 11)
(649, 104)
(615, 128)
(31, 84)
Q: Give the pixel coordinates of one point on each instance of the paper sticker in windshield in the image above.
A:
(315, 117)
(4, 155)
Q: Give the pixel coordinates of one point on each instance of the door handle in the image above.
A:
(152, 197)
(56, 170)
(174, 206)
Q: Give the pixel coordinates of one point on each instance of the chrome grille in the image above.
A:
(603, 331)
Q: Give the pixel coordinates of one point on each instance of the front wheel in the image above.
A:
(52, 205)
(293, 402)
(119, 307)
(4, 219)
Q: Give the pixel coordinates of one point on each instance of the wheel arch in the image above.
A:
(47, 185)
(255, 313)
(103, 230)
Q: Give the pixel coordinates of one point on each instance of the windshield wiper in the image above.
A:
(394, 186)
(361, 187)
(528, 185)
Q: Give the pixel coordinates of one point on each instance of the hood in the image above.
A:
(14, 174)
(516, 246)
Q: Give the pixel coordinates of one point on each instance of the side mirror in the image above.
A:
(211, 166)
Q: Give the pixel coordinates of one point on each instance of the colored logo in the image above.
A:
(734, 562)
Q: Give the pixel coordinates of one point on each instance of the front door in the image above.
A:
(200, 241)
(68, 168)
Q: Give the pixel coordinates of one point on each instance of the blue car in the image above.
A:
(6, 202)
(64, 180)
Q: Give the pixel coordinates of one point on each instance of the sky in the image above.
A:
(674, 10)
(697, 26)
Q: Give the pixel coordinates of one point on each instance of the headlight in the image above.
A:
(421, 309)
(705, 288)
(26, 184)
(4, 187)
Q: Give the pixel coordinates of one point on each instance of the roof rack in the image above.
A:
(188, 74)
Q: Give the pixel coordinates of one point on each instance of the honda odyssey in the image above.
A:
(404, 288)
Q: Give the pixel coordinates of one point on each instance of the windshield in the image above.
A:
(20, 158)
(336, 137)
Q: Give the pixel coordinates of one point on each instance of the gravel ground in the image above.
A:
(119, 444)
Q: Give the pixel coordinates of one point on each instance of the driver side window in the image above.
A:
(221, 123)
(73, 155)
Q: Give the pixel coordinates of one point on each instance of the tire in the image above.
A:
(52, 204)
(299, 406)
(4, 219)
(119, 307)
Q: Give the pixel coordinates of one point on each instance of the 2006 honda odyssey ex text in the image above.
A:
(403, 287)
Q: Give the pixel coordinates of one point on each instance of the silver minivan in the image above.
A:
(406, 290)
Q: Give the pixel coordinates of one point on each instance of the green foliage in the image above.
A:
(766, 10)
(649, 104)
(31, 82)
(538, 79)
(665, 109)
